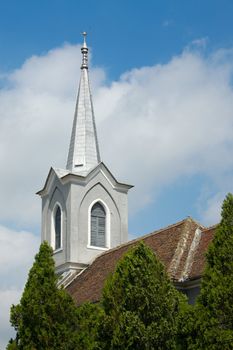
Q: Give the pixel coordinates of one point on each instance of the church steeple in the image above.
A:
(84, 207)
(84, 149)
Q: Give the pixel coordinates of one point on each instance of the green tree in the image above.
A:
(45, 318)
(213, 327)
(141, 305)
(12, 345)
(89, 317)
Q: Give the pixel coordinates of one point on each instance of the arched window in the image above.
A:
(57, 224)
(98, 225)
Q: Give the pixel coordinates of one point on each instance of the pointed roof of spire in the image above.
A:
(84, 149)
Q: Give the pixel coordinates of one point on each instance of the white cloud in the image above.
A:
(167, 23)
(7, 298)
(17, 250)
(200, 43)
(155, 124)
(161, 122)
(169, 120)
(211, 212)
(36, 111)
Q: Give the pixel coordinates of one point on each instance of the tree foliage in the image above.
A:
(141, 305)
(89, 317)
(45, 318)
(12, 345)
(213, 326)
(140, 308)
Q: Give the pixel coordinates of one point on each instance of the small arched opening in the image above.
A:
(98, 225)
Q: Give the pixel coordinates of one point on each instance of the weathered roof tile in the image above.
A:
(172, 246)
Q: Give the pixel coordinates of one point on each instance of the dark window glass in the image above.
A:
(58, 228)
(98, 225)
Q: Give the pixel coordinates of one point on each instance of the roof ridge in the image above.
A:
(143, 237)
(181, 247)
(210, 227)
(196, 222)
(191, 254)
(184, 221)
(73, 276)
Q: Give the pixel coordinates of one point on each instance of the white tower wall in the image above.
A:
(77, 188)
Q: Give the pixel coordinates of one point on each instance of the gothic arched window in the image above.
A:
(57, 224)
(98, 225)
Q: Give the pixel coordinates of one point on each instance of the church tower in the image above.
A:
(84, 208)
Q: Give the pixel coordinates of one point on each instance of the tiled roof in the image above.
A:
(199, 258)
(181, 247)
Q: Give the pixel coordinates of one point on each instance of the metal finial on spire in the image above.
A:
(84, 152)
(84, 34)
(84, 51)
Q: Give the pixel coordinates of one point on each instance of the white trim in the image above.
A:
(53, 233)
(107, 178)
(57, 250)
(107, 232)
(95, 247)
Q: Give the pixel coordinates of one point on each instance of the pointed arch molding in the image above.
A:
(57, 200)
(107, 225)
(98, 193)
(104, 188)
(54, 228)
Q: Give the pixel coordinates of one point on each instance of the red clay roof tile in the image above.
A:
(171, 245)
(199, 257)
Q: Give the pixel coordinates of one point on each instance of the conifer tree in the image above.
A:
(141, 305)
(12, 345)
(45, 318)
(214, 321)
(89, 317)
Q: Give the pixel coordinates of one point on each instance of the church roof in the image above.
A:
(181, 247)
(84, 149)
(199, 258)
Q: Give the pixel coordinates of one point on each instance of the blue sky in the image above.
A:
(123, 35)
(161, 75)
(135, 32)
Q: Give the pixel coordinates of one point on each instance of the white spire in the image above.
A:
(84, 150)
